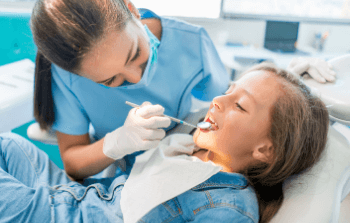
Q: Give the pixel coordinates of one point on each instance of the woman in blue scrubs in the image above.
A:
(94, 55)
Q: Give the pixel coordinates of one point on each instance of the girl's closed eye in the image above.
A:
(240, 107)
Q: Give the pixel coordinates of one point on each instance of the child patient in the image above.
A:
(265, 128)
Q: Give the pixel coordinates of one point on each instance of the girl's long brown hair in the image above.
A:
(64, 32)
(299, 134)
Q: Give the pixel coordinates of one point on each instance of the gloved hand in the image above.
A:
(139, 132)
(318, 69)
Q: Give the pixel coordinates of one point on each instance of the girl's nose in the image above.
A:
(219, 103)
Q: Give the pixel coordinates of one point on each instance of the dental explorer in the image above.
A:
(201, 125)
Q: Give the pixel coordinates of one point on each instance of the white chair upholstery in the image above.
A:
(35, 133)
(315, 196)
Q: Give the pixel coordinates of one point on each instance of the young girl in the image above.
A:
(94, 55)
(266, 128)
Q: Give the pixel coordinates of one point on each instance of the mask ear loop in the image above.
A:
(126, 8)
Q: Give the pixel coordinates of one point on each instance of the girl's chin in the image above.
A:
(202, 141)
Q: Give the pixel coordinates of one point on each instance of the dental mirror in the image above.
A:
(204, 125)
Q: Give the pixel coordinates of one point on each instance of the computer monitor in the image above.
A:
(281, 36)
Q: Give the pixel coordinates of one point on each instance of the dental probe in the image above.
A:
(174, 119)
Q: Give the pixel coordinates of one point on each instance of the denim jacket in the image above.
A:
(225, 197)
(42, 192)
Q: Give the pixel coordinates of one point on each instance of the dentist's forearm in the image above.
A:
(80, 158)
(90, 162)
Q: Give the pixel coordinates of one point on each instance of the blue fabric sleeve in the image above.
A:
(147, 14)
(222, 214)
(70, 116)
(215, 77)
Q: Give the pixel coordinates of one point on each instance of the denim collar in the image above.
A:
(223, 179)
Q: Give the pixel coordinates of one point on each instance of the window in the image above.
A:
(301, 10)
(16, 6)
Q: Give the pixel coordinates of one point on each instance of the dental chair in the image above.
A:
(315, 195)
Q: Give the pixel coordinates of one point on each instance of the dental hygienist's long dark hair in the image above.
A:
(299, 129)
(64, 32)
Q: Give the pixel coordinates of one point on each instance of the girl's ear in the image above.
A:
(264, 152)
(132, 8)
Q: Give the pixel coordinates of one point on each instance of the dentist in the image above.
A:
(94, 55)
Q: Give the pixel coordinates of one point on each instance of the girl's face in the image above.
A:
(242, 116)
(118, 57)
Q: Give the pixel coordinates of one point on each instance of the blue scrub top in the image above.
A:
(187, 61)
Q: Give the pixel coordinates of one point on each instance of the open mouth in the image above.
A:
(214, 125)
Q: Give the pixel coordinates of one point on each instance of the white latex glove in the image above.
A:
(139, 132)
(318, 69)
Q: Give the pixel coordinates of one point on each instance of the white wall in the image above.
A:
(253, 32)
(338, 40)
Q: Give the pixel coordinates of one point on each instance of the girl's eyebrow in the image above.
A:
(245, 92)
(249, 95)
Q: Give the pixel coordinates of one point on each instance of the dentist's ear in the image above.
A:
(264, 152)
(126, 2)
(132, 8)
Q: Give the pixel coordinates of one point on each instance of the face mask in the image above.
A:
(153, 57)
(125, 83)
(107, 87)
(153, 43)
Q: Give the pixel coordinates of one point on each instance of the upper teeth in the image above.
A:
(213, 121)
